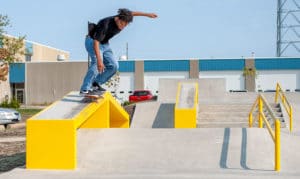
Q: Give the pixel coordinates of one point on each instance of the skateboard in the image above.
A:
(93, 97)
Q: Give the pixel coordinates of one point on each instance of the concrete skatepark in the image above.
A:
(152, 148)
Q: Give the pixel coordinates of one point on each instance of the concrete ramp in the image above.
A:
(51, 134)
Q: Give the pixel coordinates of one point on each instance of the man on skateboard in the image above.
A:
(103, 67)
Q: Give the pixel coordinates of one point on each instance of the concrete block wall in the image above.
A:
(194, 72)
(250, 79)
(48, 81)
(139, 75)
(207, 88)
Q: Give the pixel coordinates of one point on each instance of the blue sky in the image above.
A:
(184, 28)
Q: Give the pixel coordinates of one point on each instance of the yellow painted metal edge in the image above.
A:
(271, 132)
(196, 95)
(51, 144)
(119, 108)
(88, 111)
(177, 95)
(286, 104)
(98, 118)
(119, 118)
(185, 118)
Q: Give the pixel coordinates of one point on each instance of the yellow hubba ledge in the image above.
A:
(51, 143)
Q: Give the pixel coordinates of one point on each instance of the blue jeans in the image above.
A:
(93, 75)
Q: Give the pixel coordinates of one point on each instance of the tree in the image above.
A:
(113, 84)
(14, 48)
(11, 48)
(3, 71)
(4, 21)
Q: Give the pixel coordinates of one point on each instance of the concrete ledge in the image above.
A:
(211, 88)
(51, 134)
(186, 106)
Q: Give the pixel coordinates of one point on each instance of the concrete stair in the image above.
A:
(223, 115)
(232, 115)
(277, 109)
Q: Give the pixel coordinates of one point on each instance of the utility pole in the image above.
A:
(288, 28)
(88, 28)
(278, 43)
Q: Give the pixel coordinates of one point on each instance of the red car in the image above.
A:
(140, 95)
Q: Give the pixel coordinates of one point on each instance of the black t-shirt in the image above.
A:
(105, 30)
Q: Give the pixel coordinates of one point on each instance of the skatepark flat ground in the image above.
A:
(151, 148)
(176, 153)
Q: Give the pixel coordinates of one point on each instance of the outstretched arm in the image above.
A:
(150, 15)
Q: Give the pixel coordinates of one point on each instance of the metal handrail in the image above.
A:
(286, 104)
(260, 102)
(269, 127)
(268, 107)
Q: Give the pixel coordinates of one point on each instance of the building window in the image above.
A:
(18, 92)
(28, 51)
(28, 58)
(20, 95)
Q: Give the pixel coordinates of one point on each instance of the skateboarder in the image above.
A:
(103, 65)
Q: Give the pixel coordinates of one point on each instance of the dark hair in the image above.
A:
(125, 15)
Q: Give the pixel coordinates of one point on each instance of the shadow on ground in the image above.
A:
(10, 162)
(165, 116)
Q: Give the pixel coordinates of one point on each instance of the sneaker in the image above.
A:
(92, 92)
(83, 92)
(95, 93)
(97, 87)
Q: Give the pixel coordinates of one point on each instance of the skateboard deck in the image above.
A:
(93, 97)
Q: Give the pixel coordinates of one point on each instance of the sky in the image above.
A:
(184, 28)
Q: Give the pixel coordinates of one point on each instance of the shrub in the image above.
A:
(14, 103)
(126, 103)
(4, 104)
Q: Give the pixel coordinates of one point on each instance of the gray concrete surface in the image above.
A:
(186, 96)
(294, 99)
(176, 153)
(66, 108)
(152, 148)
(153, 115)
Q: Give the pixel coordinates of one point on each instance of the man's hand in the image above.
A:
(152, 15)
(101, 67)
(100, 64)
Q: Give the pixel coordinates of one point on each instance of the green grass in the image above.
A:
(28, 112)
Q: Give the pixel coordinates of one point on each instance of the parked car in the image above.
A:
(9, 116)
(140, 95)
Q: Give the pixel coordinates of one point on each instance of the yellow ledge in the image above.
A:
(51, 136)
(186, 112)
